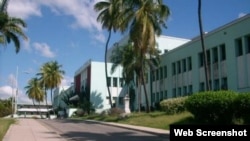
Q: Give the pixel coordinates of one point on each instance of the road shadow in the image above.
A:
(122, 136)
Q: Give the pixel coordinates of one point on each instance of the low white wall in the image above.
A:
(70, 111)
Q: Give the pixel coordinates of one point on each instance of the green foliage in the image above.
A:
(242, 107)
(173, 105)
(5, 107)
(212, 106)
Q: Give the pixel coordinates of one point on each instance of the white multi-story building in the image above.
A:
(181, 71)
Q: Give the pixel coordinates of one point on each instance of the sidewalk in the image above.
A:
(137, 128)
(30, 130)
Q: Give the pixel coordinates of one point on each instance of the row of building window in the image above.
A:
(157, 97)
(182, 66)
(183, 91)
(115, 82)
(218, 51)
(187, 90)
(216, 85)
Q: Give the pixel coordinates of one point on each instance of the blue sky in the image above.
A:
(67, 31)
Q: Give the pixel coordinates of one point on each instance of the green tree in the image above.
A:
(35, 91)
(11, 28)
(144, 19)
(51, 76)
(109, 18)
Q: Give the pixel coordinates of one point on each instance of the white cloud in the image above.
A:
(67, 81)
(82, 11)
(100, 37)
(6, 92)
(24, 8)
(241, 15)
(43, 49)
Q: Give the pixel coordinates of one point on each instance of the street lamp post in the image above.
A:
(16, 95)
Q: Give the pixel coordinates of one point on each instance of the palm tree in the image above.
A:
(11, 28)
(203, 47)
(127, 58)
(51, 76)
(3, 6)
(108, 16)
(34, 91)
(146, 18)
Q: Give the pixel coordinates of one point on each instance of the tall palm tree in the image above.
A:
(11, 28)
(108, 17)
(34, 91)
(51, 76)
(128, 59)
(147, 17)
(203, 47)
(3, 6)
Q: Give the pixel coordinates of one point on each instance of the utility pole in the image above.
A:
(16, 95)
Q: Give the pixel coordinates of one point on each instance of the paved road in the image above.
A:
(91, 131)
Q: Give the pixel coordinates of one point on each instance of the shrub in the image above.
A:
(173, 105)
(242, 107)
(212, 106)
(116, 111)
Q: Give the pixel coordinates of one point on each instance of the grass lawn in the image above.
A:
(4, 126)
(158, 120)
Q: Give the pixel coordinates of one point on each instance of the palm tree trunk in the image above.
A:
(40, 112)
(145, 92)
(139, 93)
(35, 105)
(52, 101)
(203, 46)
(106, 69)
(46, 100)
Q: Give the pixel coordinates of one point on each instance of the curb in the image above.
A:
(159, 132)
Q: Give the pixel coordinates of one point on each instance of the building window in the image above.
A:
(121, 82)
(190, 89)
(174, 92)
(185, 90)
(157, 97)
(173, 69)
(179, 67)
(114, 82)
(184, 68)
(202, 86)
(189, 63)
(109, 81)
(165, 94)
(165, 72)
(247, 39)
(157, 74)
(201, 62)
(224, 83)
(179, 91)
(161, 96)
(216, 84)
(215, 55)
(208, 57)
(238, 47)
(222, 52)
(161, 73)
